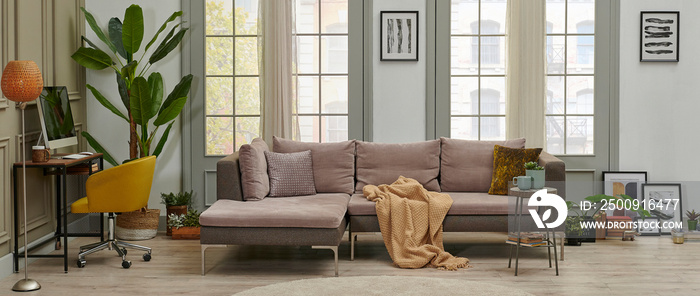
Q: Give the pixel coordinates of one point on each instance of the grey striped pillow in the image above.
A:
(291, 174)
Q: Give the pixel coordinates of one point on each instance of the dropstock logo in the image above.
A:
(542, 198)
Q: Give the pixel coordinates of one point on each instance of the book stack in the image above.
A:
(622, 225)
(82, 169)
(527, 239)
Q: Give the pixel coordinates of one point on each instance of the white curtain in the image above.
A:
(526, 80)
(277, 58)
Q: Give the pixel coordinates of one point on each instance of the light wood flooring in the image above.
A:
(647, 266)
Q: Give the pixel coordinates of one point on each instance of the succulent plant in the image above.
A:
(533, 166)
(692, 215)
(191, 219)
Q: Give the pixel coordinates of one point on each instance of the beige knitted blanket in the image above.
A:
(410, 219)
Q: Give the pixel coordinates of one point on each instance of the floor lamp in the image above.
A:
(21, 83)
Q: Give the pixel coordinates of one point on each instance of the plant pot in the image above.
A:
(692, 224)
(138, 225)
(178, 210)
(537, 178)
(186, 232)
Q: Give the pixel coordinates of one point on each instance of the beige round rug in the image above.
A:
(382, 285)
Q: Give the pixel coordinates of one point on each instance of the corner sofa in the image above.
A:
(461, 168)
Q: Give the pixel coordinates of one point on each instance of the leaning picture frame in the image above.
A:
(628, 183)
(664, 201)
(647, 226)
(398, 36)
(659, 36)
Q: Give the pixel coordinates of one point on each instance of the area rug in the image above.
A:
(382, 285)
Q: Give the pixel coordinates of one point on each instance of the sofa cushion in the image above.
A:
(324, 210)
(464, 203)
(333, 163)
(379, 163)
(291, 174)
(254, 178)
(509, 163)
(468, 165)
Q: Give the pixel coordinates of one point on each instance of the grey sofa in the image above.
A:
(460, 168)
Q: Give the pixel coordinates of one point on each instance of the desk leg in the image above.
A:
(58, 213)
(16, 219)
(65, 222)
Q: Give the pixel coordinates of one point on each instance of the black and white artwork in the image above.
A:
(648, 226)
(659, 38)
(399, 36)
(663, 201)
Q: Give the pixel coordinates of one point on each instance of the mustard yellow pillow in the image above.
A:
(509, 163)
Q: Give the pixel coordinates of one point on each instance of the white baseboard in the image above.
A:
(6, 261)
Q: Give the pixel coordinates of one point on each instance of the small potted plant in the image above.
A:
(535, 171)
(185, 226)
(175, 203)
(692, 219)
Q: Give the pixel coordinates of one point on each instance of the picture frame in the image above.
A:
(398, 38)
(668, 205)
(624, 182)
(644, 229)
(659, 36)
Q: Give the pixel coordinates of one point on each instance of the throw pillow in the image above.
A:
(509, 163)
(254, 178)
(291, 174)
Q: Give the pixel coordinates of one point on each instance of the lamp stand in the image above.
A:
(26, 284)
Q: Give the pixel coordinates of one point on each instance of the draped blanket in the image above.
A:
(410, 219)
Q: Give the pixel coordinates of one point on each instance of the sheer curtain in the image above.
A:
(277, 59)
(526, 75)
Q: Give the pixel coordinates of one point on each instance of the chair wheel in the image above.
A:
(126, 264)
(147, 257)
(81, 263)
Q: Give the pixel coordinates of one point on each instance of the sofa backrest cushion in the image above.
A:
(291, 174)
(467, 166)
(254, 178)
(333, 163)
(379, 163)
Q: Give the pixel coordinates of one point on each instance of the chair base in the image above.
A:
(112, 244)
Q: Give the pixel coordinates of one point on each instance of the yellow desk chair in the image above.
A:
(123, 188)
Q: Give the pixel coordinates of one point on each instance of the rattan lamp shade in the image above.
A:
(22, 81)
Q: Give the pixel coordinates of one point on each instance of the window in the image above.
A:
(477, 69)
(322, 79)
(232, 99)
(570, 70)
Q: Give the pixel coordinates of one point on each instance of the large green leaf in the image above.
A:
(170, 112)
(155, 83)
(129, 70)
(165, 25)
(167, 46)
(123, 90)
(95, 145)
(115, 35)
(182, 89)
(132, 29)
(163, 139)
(92, 58)
(98, 31)
(106, 103)
(140, 101)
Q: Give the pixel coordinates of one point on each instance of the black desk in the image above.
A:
(60, 168)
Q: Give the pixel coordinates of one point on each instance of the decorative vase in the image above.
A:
(177, 210)
(692, 224)
(186, 232)
(537, 178)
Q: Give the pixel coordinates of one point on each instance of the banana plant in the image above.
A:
(142, 97)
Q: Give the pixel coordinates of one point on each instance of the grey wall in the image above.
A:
(112, 131)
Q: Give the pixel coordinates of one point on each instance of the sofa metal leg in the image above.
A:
(353, 238)
(335, 254)
(204, 248)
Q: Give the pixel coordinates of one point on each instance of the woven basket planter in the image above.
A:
(138, 225)
(186, 232)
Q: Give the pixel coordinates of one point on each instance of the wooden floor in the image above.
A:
(647, 266)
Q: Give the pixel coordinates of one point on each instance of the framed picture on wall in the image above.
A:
(628, 183)
(659, 36)
(398, 36)
(663, 201)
